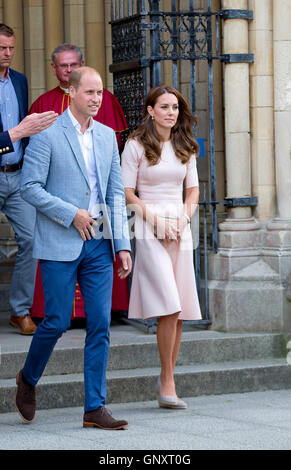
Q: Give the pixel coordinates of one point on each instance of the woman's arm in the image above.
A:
(141, 208)
(191, 200)
(190, 206)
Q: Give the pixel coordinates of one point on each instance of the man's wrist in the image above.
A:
(15, 134)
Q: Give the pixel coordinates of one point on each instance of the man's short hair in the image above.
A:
(6, 30)
(76, 76)
(66, 47)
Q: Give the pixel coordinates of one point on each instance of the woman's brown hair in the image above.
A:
(182, 136)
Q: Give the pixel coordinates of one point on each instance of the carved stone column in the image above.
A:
(34, 47)
(74, 16)
(95, 37)
(277, 250)
(54, 35)
(245, 291)
(262, 109)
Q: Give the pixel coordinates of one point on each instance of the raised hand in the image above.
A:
(32, 124)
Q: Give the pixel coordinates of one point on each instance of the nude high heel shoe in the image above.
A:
(169, 401)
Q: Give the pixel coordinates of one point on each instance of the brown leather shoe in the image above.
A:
(101, 418)
(25, 399)
(24, 324)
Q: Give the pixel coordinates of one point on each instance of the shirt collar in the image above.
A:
(7, 76)
(66, 90)
(76, 123)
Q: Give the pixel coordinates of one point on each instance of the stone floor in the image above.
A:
(248, 421)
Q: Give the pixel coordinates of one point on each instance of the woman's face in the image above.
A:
(165, 112)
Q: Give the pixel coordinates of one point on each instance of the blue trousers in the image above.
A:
(94, 271)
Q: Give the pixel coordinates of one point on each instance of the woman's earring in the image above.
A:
(153, 118)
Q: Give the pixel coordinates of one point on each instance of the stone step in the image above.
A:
(6, 270)
(4, 298)
(197, 347)
(139, 384)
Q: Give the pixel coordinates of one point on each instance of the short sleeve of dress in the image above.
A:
(130, 160)
(191, 178)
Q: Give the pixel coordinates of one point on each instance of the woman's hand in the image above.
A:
(166, 229)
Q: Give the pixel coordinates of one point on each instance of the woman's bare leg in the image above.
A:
(167, 344)
(177, 343)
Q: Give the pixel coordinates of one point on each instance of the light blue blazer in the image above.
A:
(54, 180)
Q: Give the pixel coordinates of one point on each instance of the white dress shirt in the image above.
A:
(86, 144)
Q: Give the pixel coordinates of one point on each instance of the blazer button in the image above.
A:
(87, 192)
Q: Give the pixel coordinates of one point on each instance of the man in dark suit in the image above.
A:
(21, 215)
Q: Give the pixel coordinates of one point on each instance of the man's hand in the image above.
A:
(32, 124)
(126, 261)
(83, 223)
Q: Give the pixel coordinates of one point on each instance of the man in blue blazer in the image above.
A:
(72, 175)
(13, 109)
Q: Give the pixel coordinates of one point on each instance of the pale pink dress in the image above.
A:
(163, 280)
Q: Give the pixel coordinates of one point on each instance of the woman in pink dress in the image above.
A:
(158, 160)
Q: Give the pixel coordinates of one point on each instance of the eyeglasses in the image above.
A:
(74, 65)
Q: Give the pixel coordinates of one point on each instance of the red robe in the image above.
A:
(110, 114)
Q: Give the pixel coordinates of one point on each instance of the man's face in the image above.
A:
(87, 99)
(66, 61)
(6, 51)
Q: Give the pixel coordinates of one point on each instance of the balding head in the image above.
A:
(77, 74)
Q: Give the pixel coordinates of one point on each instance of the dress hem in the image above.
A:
(163, 315)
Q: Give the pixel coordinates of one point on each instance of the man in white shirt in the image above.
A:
(86, 143)
(72, 175)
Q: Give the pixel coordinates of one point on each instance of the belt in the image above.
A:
(11, 168)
